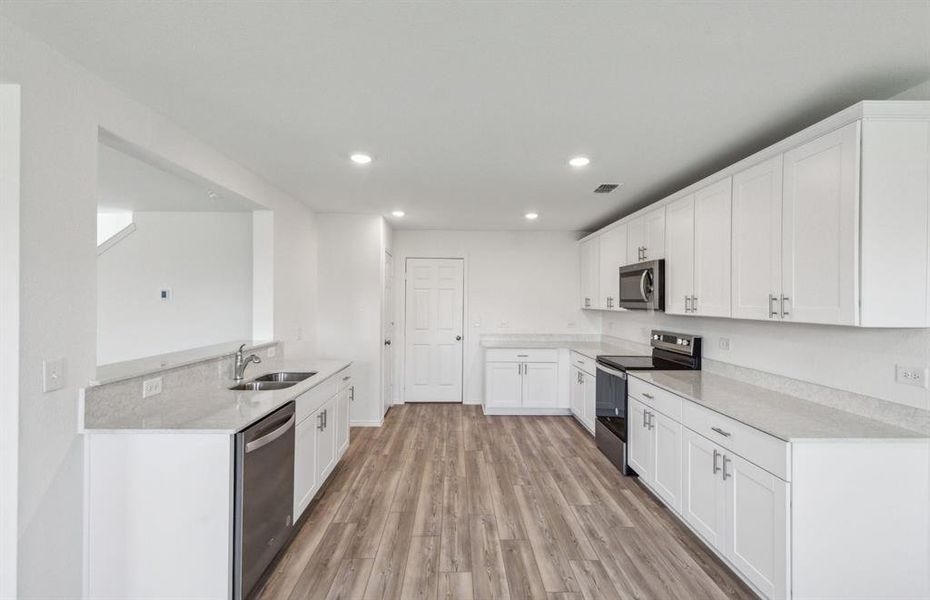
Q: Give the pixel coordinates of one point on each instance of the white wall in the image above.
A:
(63, 106)
(351, 249)
(515, 282)
(921, 91)
(846, 358)
(204, 258)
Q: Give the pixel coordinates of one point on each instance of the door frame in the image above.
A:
(388, 371)
(400, 329)
(10, 112)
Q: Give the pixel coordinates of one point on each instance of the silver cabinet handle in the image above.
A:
(725, 461)
(645, 419)
(716, 456)
(645, 252)
(650, 396)
(519, 369)
(720, 431)
(267, 439)
(687, 304)
(347, 377)
(652, 421)
(352, 393)
(587, 302)
(522, 355)
(319, 419)
(326, 418)
(784, 312)
(610, 302)
(694, 304)
(772, 312)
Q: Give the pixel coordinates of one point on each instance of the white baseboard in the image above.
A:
(366, 423)
(526, 411)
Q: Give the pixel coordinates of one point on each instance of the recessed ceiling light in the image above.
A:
(531, 216)
(361, 159)
(398, 213)
(579, 161)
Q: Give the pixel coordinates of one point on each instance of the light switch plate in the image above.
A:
(724, 343)
(151, 387)
(53, 374)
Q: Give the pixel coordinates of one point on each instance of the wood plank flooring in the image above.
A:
(444, 502)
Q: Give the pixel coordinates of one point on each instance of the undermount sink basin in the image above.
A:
(260, 386)
(286, 376)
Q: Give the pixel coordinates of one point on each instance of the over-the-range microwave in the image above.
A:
(642, 286)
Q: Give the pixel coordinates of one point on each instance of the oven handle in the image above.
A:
(610, 371)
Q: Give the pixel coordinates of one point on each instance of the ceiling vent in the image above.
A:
(606, 188)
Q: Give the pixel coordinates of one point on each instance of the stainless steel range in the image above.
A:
(670, 351)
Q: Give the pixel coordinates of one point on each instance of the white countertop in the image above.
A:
(780, 415)
(206, 406)
(587, 347)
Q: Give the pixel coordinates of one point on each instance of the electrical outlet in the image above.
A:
(53, 374)
(724, 343)
(572, 325)
(151, 387)
(910, 375)
(272, 351)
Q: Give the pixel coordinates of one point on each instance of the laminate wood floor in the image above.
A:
(444, 502)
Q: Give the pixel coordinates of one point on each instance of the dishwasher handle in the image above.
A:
(267, 439)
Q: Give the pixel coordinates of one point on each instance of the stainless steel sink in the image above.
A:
(286, 376)
(260, 386)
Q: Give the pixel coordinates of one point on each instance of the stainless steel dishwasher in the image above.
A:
(264, 498)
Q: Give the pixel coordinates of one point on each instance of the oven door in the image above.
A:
(641, 286)
(610, 427)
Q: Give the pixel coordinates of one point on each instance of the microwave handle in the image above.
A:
(642, 285)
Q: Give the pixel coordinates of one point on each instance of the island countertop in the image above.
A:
(206, 406)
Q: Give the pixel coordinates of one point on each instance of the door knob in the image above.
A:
(458, 338)
(387, 342)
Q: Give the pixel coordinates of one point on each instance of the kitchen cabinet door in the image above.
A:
(612, 257)
(576, 393)
(756, 252)
(305, 482)
(343, 407)
(757, 525)
(324, 420)
(640, 441)
(666, 477)
(646, 236)
(541, 385)
(703, 498)
(654, 234)
(503, 386)
(589, 385)
(679, 255)
(589, 251)
(711, 296)
(820, 257)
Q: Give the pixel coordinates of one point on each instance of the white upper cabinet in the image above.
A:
(589, 251)
(820, 230)
(679, 256)
(646, 236)
(756, 262)
(612, 257)
(828, 226)
(711, 296)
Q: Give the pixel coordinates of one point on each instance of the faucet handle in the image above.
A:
(241, 348)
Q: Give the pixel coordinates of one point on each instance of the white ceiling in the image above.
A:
(472, 109)
(129, 182)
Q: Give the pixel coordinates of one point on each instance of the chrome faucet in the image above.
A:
(243, 361)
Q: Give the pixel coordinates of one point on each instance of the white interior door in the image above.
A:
(433, 328)
(387, 325)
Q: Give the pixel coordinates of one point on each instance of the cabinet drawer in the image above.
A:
(313, 398)
(584, 363)
(517, 355)
(343, 379)
(665, 402)
(770, 453)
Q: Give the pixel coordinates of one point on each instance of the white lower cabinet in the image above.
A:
(654, 451)
(583, 394)
(321, 437)
(522, 380)
(639, 445)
